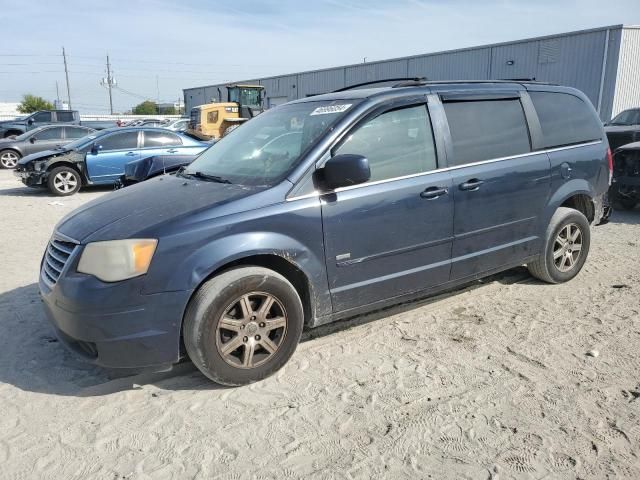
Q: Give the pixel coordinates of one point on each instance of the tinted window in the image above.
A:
(628, 117)
(76, 132)
(486, 129)
(42, 117)
(160, 139)
(64, 116)
(565, 119)
(397, 143)
(49, 134)
(120, 141)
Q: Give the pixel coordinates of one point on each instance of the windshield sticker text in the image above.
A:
(331, 109)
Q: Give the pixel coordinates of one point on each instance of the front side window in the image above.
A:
(50, 134)
(486, 129)
(565, 119)
(160, 139)
(42, 117)
(265, 149)
(120, 141)
(396, 143)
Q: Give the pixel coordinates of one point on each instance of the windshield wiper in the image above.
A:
(205, 176)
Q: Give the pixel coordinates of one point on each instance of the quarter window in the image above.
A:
(565, 119)
(486, 129)
(120, 141)
(396, 143)
(76, 132)
(160, 139)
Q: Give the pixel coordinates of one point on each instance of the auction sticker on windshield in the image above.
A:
(331, 109)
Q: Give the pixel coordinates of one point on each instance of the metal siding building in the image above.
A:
(602, 62)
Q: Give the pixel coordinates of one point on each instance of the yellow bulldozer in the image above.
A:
(215, 120)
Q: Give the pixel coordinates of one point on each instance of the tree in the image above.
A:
(32, 103)
(146, 108)
(169, 111)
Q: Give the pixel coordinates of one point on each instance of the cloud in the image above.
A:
(186, 44)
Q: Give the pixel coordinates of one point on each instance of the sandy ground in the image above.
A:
(493, 381)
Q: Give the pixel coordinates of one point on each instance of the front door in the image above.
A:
(45, 139)
(500, 187)
(113, 152)
(392, 235)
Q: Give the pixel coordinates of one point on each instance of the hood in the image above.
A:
(127, 212)
(12, 122)
(42, 155)
(630, 146)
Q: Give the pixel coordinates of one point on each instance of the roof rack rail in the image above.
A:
(384, 80)
(413, 82)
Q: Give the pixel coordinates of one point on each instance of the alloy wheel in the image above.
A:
(567, 247)
(65, 182)
(251, 330)
(9, 159)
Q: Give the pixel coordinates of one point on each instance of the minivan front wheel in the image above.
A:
(567, 242)
(243, 325)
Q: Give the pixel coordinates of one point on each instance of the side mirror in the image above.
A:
(95, 148)
(30, 121)
(346, 170)
(33, 139)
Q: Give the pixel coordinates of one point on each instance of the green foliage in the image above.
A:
(169, 111)
(146, 108)
(32, 103)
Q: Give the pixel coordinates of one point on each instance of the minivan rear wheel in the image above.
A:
(243, 325)
(566, 247)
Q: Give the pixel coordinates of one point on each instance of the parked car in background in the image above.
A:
(623, 128)
(99, 158)
(9, 128)
(178, 125)
(145, 168)
(42, 138)
(325, 208)
(625, 189)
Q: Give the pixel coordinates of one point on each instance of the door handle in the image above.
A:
(172, 150)
(471, 185)
(434, 192)
(130, 154)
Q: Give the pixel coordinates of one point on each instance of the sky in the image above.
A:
(159, 47)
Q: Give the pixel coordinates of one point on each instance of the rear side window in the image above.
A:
(160, 139)
(396, 143)
(486, 129)
(565, 119)
(64, 116)
(120, 141)
(76, 132)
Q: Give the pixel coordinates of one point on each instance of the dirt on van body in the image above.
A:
(506, 378)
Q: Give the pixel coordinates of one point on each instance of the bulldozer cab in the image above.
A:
(216, 119)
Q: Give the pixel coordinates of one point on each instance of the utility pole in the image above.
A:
(108, 82)
(158, 95)
(57, 93)
(66, 73)
(109, 85)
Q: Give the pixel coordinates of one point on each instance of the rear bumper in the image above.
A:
(113, 324)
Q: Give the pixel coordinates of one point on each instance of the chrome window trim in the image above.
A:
(446, 169)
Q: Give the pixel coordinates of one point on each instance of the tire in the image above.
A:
(64, 181)
(230, 129)
(626, 203)
(9, 158)
(562, 268)
(205, 331)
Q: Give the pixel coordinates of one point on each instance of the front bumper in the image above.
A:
(114, 324)
(31, 178)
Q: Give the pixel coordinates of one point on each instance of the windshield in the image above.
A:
(265, 149)
(81, 142)
(628, 117)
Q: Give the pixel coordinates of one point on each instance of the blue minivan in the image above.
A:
(324, 208)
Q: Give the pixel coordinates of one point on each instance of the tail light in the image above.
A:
(610, 162)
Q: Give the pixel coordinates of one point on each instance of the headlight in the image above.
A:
(117, 260)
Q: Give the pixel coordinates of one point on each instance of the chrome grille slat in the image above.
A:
(55, 259)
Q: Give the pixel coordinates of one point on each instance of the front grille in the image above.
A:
(55, 258)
